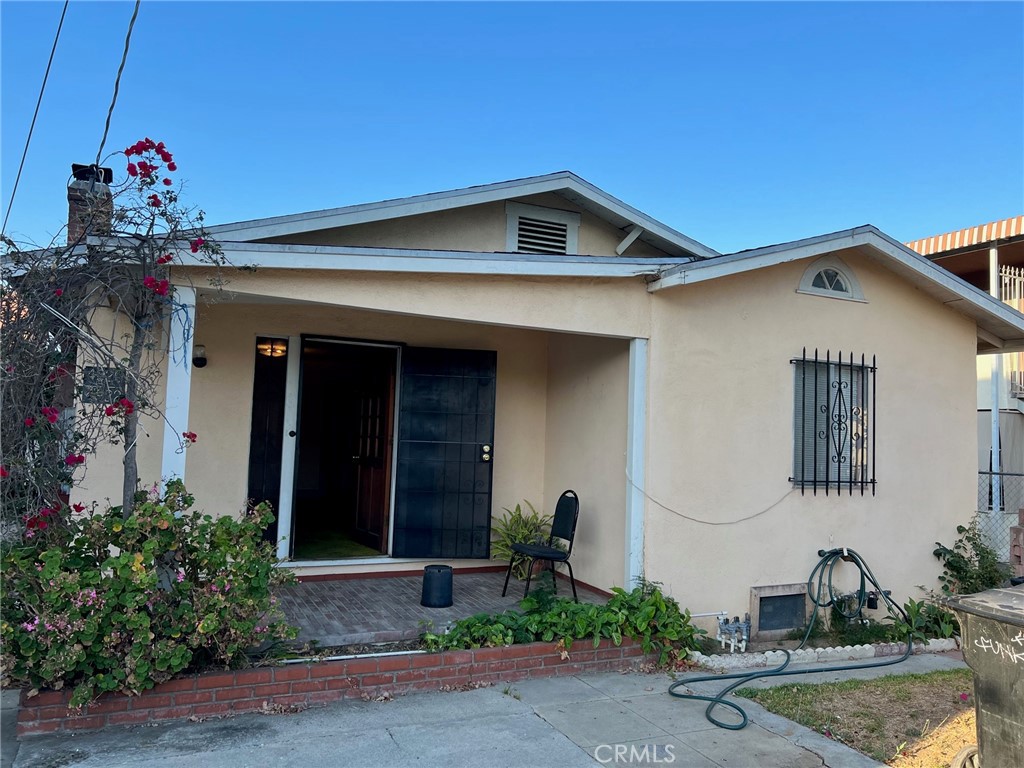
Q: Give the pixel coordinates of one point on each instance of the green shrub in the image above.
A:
(924, 622)
(971, 565)
(518, 527)
(121, 604)
(644, 614)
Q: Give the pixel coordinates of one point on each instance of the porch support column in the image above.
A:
(994, 289)
(289, 449)
(179, 382)
(636, 442)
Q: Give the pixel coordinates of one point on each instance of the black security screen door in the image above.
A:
(445, 442)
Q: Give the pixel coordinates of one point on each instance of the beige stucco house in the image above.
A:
(391, 375)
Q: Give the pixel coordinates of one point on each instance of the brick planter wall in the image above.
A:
(311, 684)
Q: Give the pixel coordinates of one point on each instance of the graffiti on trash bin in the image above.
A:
(1001, 649)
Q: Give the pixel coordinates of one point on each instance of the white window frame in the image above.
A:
(853, 292)
(570, 219)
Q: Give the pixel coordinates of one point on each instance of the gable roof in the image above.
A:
(564, 183)
(1000, 328)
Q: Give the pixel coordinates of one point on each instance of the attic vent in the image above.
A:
(536, 236)
(533, 229)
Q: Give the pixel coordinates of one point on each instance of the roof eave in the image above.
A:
(1000, 327)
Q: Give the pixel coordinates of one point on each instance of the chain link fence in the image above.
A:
(995, 524)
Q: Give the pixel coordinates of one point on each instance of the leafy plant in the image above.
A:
(970, 565)
(644, 614)
(519, 527)
(122, 603)
(925, 621)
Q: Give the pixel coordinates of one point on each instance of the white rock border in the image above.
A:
(726, 662)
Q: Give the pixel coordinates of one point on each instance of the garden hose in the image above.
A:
(824, 587)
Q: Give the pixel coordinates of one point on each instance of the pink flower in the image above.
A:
(74, 459)
(964, 696)
(4, 472)
(167, 182)
(133, 170)
(190, 437)
(167, 257)
(180, 577)
(79, 508)
(51, 414)
(30, 422)
(197, 244)
(58, 292)
(155, 201)
(171, 166)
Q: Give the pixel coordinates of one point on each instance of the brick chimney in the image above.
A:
(90, 205)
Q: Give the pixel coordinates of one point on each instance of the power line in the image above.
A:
(117, 83)
(31, 128)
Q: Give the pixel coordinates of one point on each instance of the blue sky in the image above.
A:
(739, 124)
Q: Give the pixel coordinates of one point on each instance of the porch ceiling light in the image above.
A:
(272, 348)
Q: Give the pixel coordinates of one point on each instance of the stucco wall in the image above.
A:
(721, 434)
(472, 228)
(585, 448)
(599, 306)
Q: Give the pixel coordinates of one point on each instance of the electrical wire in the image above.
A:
(32, 125)
(117, 83)
(826, 565)
(677, 513)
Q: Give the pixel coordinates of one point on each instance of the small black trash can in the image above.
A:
(437, 586)
(992, 633)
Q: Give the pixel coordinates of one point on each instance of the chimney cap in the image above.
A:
(91, 173)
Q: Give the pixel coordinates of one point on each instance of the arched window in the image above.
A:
(829, 276)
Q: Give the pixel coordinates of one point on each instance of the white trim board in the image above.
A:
(569, 185)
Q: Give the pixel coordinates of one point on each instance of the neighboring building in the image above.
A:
(991, 257)
(393, 374)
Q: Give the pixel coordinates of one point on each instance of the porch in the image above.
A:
(384, 609)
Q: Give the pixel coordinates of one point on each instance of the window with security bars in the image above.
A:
(833, 423)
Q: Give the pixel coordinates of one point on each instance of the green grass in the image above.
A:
(876, 716)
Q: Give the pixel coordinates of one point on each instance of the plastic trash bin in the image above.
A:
(992, 633)
(437, 586)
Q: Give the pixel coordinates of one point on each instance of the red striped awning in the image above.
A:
(965, 238)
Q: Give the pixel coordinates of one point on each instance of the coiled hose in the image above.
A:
(824, 595)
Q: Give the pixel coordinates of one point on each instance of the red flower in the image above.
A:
(127, 405)
(171, 166)
(190, 437)
(154, 200)
(51, 414)
(29, 422)
(165, 258)
(167, 182)
(162, 287)
(58, 292)
(78, 507)
(133, 170)
(74, 459)
(4, 472)
(109, 410)
(197, 244)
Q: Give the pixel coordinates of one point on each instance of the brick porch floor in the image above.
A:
(386, 609)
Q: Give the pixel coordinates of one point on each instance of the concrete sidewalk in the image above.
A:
(571, 721)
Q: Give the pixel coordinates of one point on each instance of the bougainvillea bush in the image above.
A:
(85, 335)
(105, 602)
